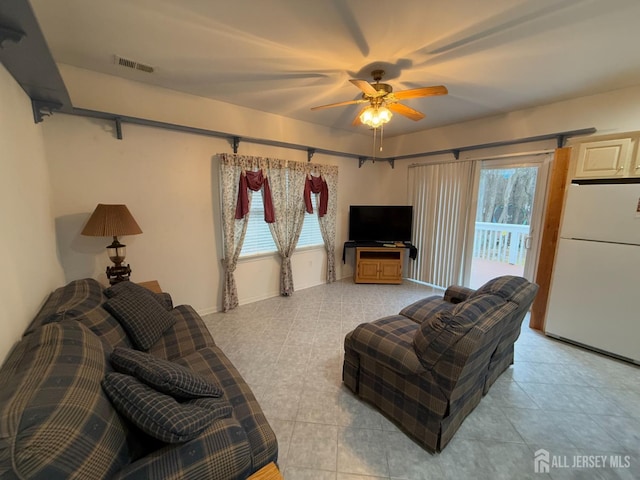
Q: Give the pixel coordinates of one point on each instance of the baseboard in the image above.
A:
(257, 298)
(209, 311)
(435, 287)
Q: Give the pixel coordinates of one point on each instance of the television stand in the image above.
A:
(379, 264)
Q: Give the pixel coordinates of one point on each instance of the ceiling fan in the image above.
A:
(382, 101)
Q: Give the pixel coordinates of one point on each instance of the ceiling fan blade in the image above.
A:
(406, 111)
(356, 121)
(421, 92)
(340, 104)
(365, 87)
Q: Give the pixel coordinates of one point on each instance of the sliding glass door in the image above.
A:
(505, 231)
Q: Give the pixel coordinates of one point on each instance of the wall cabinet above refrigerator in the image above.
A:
(608, 157)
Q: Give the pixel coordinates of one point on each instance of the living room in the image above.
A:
(55, 172)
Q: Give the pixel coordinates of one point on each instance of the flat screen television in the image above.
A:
(381, 223)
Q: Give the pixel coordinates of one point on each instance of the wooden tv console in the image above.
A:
(378, 265)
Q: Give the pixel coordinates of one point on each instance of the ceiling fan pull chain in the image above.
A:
(381, 135)
(375, 130)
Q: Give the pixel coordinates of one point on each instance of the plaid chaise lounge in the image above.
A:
(511, 288)
(56, 422)
(428, 375)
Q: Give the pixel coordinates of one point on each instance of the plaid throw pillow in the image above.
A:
(160, 415)
(163, 375)
(163, 299)
(144, 319)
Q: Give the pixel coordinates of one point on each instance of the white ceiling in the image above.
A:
(286, 56)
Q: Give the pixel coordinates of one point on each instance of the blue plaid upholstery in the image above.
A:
(163, 298)
(142, 317)
(187, 335)
(55, 421)
(426, 308)
(212, 363)
(221, 451)
(463, 364)
(69, 302)
(163, 375)
(158, 414)
(428, 375)
(82, 300)
(434, 338)
(412, 400)
(388, 341)
(510, 288)
(456, 294)
(517, 290)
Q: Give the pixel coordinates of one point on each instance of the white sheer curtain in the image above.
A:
(441, 196)
(328, 221)
(234, 230)
(287, 186)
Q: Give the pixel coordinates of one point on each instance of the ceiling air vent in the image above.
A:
(127, 63)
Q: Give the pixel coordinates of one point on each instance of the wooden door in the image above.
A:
(550, 233)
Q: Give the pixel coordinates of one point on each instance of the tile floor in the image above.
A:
(569, 401)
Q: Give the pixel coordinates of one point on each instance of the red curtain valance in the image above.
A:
(316, 185)
(255, 181)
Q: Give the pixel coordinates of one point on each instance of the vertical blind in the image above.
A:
(441, 198)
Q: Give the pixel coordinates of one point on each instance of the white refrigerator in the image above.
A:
(595, 290)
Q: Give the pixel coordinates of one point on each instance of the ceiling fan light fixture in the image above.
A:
(375, 116)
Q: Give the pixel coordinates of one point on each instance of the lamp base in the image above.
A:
(118, 273)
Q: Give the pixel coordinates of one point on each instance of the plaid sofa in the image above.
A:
(56, 422)
(428, 367)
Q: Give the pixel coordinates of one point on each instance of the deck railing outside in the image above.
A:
(501, 242)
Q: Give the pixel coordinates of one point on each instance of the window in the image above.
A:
(259, 240)
(310, 234)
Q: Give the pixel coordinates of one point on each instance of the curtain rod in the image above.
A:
(235, 139)
(559, 136)
(488, 157)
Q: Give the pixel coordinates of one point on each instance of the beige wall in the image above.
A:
(30, 269)
(169, 181)
(168, 177)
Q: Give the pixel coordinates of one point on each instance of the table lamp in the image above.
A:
(113, 221)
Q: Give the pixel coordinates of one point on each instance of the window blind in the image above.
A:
(258, 239)
(310, 234)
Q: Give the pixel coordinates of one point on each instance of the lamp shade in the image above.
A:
(111, 221)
